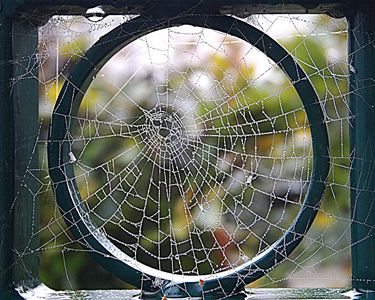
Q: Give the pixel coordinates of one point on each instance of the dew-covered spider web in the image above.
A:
(192, 153)
(193, 161)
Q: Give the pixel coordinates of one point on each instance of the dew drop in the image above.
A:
(158, 282)
(72, 158)
(250, 179)
(95, 14)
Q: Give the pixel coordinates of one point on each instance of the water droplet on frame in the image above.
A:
(95, 14)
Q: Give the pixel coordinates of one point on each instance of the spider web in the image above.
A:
(192, 152)
(182, 187)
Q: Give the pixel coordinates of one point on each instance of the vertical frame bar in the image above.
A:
(362, 104)
(6, 160)
(26, 125)
(19, 218)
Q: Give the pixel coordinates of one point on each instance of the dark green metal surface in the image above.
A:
(335, 8)
(8, 7)
(362, 99)
(7, 161)
(362, 103)
(44, 293)
(62, 173)
(6, 157)
(18, 130)
(26, 124)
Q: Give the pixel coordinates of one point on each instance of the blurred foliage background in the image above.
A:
(319, 45)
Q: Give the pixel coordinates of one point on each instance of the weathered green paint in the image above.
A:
(362, 102)
(26, 124)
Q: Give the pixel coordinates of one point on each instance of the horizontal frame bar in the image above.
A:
(335, 8)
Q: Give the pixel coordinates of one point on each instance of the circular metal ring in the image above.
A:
(75, 212)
